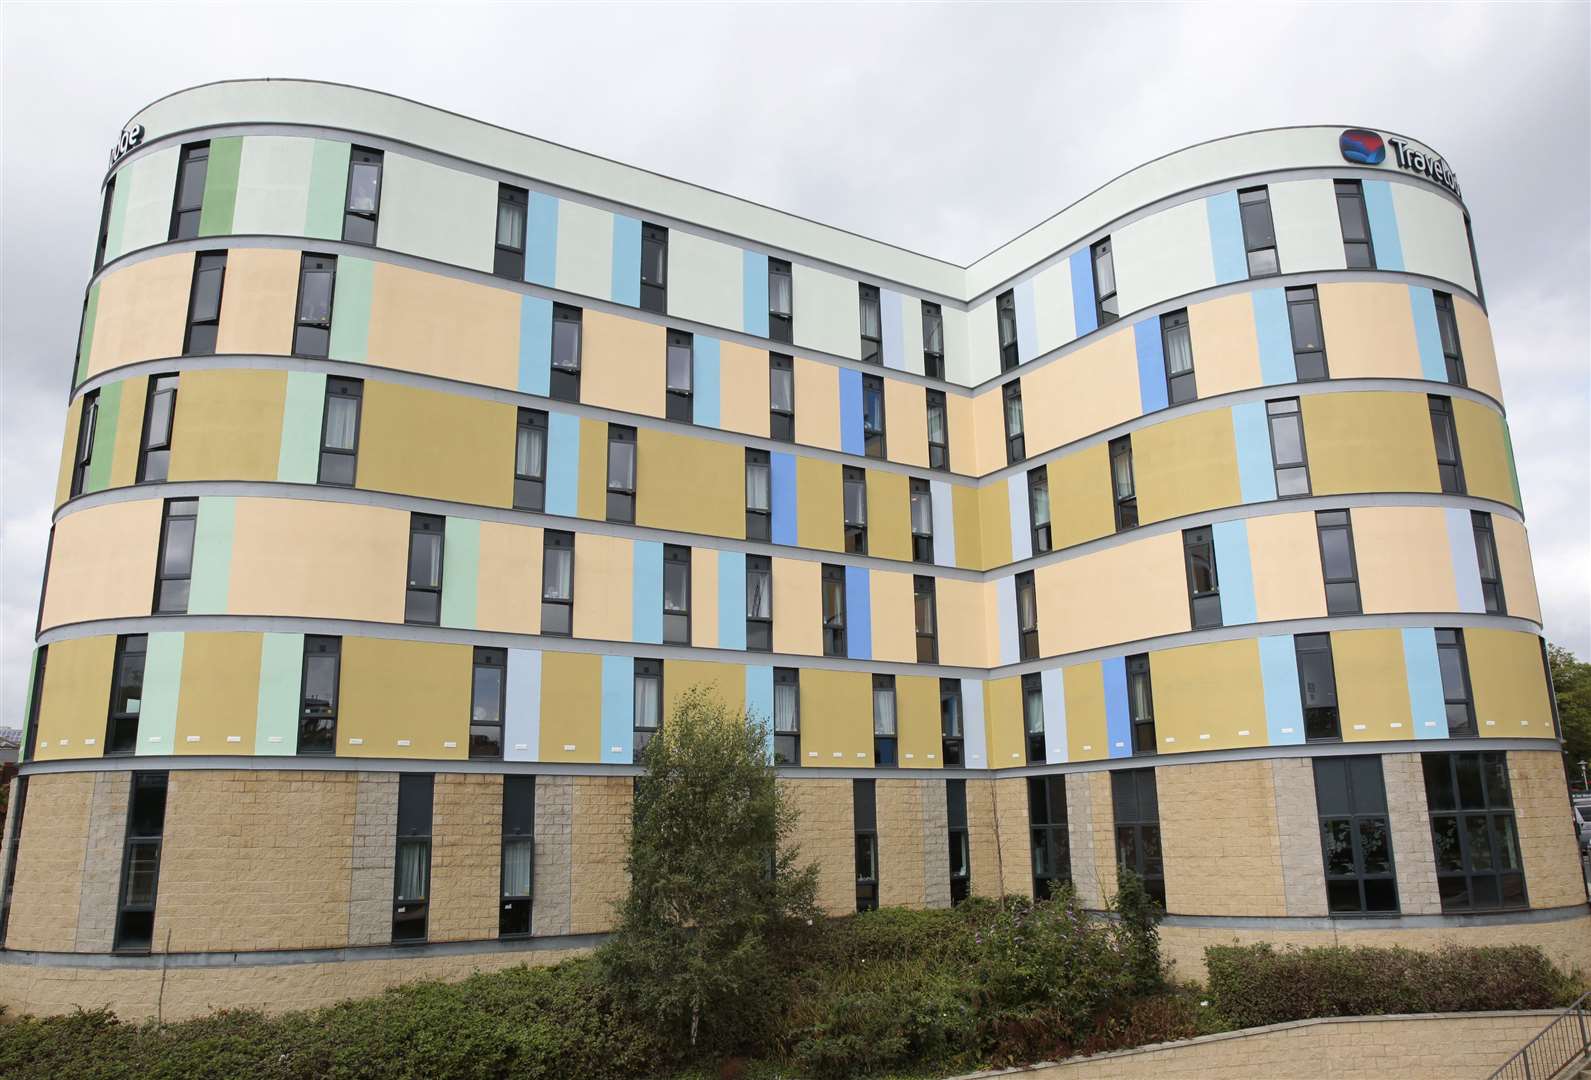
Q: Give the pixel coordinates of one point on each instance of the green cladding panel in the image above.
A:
(298, 462)
(157, 714)
(281, 677)
(461, 567)
(212, 555)
(220, 187)
(85, 337)
(350, 311)
(110, 410)
(328, 190)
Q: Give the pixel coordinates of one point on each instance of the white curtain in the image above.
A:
(414, 868)
(647, 705)
(781, 391)
(530, 451)
(779, 294)
(1033, 713)
(621, 466)
(759, 595)
(786, 715)
(883, 712)
(342, 413)
(510, 225)
(557, 577)
(1041, 504)
(518, 855)
(855, 504)
(757, 480)
(922, 513)
(1179, 351)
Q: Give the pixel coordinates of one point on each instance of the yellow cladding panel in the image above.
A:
(508, 590)
(259, 302)
(318, 560)
(129, 432)
(63, 479)
(142, 312)
(988, 432)
(743, 389)
(1483, 449)
(820, 515)
(604, 574)
(1226, 348)
(1509, 685)
(102, 563)
(1185, 466)
(1082, 506)
(727, 682)
(1403, 558)
(894, 622)
(436, 445)
(837, 718)
(622, 364)
(571, 713)
(906, 420)
(1369, 329)
(917, 721)
(440, 325)
(404, 699)
(1118, 594)
(1284, 552)
(959, 420)
(969, 533)
(817, 404)
(1208, 697)
(591, 501)
(228, 425)
(1087, 391)
(1086, 731)
(75, 698)
(1372, 684)
(1371, 441)
(994, 513)
(963, 640)
(1475, 342)
(1519, 576)
(797, 607)
(220, 693)
(889, 526)
(704, 599)
(691, 484)
(1002, 722)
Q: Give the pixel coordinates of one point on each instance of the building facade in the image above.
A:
(413, 468)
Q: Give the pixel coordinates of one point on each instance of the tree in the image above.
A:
(714, 881)
(1571, 679)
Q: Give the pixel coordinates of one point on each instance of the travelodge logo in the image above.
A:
(1362, 147)
(1367, 148)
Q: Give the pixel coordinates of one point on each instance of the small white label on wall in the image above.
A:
(403, 742)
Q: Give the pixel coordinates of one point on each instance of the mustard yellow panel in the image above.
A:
(994, 519)
(1475, 342)
(963, 635)
(1208, 697)
(893, 611)
(1369, 441)
(692, 485)
(228, 425)
(604, 576)
(1483, 448)
(964, 512)
(404, 699)
(1372, 685)
(1137, 590)
(837, 717)
(1002, 722)
(571, 714)
(817, 404)
(63, 479)
(889, 528)
(1082, 506)
(704, 598)
(959, 420)
(820, 517)
(129, 431)
(622, 364)
(988, 432)
(1082, 393)
(219, 695)
(797, 607)
(102, 563)
(906, 422)
(917, 722)
(439, 325)
(508, 584)
(318, 560)
(727, 682)
(1404, 559)
(1086, 730)
(1369, 328)
(1226, 348)
(1185, 466)
(259, 302)
(1519, 576)
(1508, 682)
(1284, 553)
(592, 498)
(743, 389)
(74, 703)
(436, 445)
(142, 312)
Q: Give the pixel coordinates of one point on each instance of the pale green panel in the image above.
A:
(439, 213)
(328, 190)
(273, 185)
(461, 569)
(151, 183)
(212, 556)
(104, 453)
(350, 309)
(281, 677)
(157, 713)
(118, 222)
(299, 459)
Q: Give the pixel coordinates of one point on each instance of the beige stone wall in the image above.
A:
(983, 836)
(44, 901)
(935, 842)
(1103, 832)
(900, 843)
(826, 833)
(373, 857)
(600, 843)
(1546, 828)
(1223, 854)
(102, 863)
(549, 906)
(1016, 852)
(1409, 819)
(466, 856)
(1298, 835)
(1080, 815)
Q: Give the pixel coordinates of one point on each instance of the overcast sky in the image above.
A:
(947, 129)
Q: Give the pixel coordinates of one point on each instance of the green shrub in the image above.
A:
(887, 1028)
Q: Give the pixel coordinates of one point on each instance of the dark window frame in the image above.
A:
(1125, 503)
(202, 331)
(185, 218)
(1015, 441)
(1106, 304)
(411, 916)
(759, 519)
(1258, 244)
(835, 638)
(530, 488)
(1137, 828)
(852, 479)
(563, 379)
(886, 743)
(938, 451)
(1034, 742)
(101, 245)
(1043, 533)
(781, 324)
(1304, 302)
(959, 841)
(759, 630)
(174, 510)
(1449, 470)
(1204, 605)
(1006, 329)
(1322, 723)
(933, 318)
(1462, 696)
(425, 525)
(121, 726)
(1490, 569)
(490, 660)
(1451, 781)
(87, 428)
(311, 740)
(1351, 202)
(676, 620)
(154, 456)
(1338, 588)
(1277, 409)
(952, 723)
(1366, 805)
(679, 400)
(508, 259)
(875, 438)
(869, 298)
(621, 500)
(864, 824)
(923, 589)
(312, 336)
(781, 422)
(1447, 336)
(557, 540)
(919, 492)
(1139, 673)
(1181, 386)
(649, 671)
(653, 294)
(787, 743)
(519, 830)
(1027, 632)
(358, 220)
(1049, 840)
(331, 457)
(135, 920)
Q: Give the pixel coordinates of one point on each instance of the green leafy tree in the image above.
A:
(1571, 679)
(714, 883)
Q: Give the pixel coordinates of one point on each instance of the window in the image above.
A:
(872, 334)
(1105, 307)
(1052, 851)
(1356, 242)
(364, 196)
(146, 822)
(759, 498)
(648, 702)
(1486, 559)
(519, 856)
(411, 875)
(781, 296)
(1309, 339)
(317, 709)
(1337, 566)
(621, 473)
(530, 460)
(339, 438)
(12, 836)
(884, 721)
(1027, 616)
(192, 167)
(83, 457)
(1317, 687)
(960, 849)
(1355, 838)
(1033, 718)
(563, 382)
(781, 398)
(654, 268)
(160, 412)
(1449, 467)
(1141, 704)
(1259, 234)
(676, 594)
(678, 375)
(1287, 447)
(509, 250)
(833, 610)
(927, 619)
(922, 520)
(1015, 443)
(1137, 811)
(952, 730)
(855, 504)
(104, 233)
(873, 416)
(423, 601)
(126, 694)
(759, 603)
(1447, 330)
(1176, 342)
(938, 431)
(864, 821)
(204, 303)
(41, 657)
(1474, 261)
(487, 691)
(1473, 832)
(174, 569)
(1039, 508)
(1121, 482)
(1454, 665)
(1005, 319)
(1204, 584)
(557, 583)
(786, 716)
(933, 341)
(317, 282)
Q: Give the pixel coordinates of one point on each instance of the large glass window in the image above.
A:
(952, 724)
(557, 582)
(884, 731)
(519, 856)
(411, 873)
(317, 282)
(854, 490)
(339, 437)
(833, 610)
(1033, 718)
(927, 619)
(873, 442)
(786, 716)
(922, 520)
(759, 495)
(1141, 705)
(654, 269)
(676, 594)
(1047, 829)
(1447, 330)
(1355, 838)
(1473, 831)
(1308, 336)
(364, 195)
(1456, 697)
(126, 694)
(1337, 565)
(781, 300)
(1027, 616)
(933, 341)
(864, 821)
(1449, 465)
(1204, 583)
(1491, 574)
(621, 473)
(1015, 440)
(1259, 234)
(1356, 243)
(960, 848)
(1137, 813)
(422, 602)
(1287, 447)
(1123, 489)
(193, 167)
(759, 603)
(564, 379)
(530, 460)
(146, 824)
(175, 566)
(508, 256)
(1176, 341)
(781, 398)
(872, 323)
(1005, 320)
(679, 376)
(1105, 305)
(317, 712)
(938, 430)
(1039, 508)
(160, 414)
(204, 303)
(1317, 687)
(648, 702)
(487, 705)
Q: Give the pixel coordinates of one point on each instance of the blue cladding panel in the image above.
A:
(704, 381)
(754, 293)
(648, 597)
(975, 744)
(1226, 237)
(1235, 571)
(563, 464)
(1151, 364)
(731, 600)
(618, 710)
(1426, 334)
(1275, 334)
(522, 706)
(1284, 708)
(1083, 292)
(851, 411)
(1383, 225)
(1425, 683)
(1118, 725)
(1027, 330)
(783, 475)
(944, 523)
(626, 260)
(1255, 472)
(1054, 716)
(759, 702)
(535, 344)
(541, 240)
(890, 314)
(1016, 488)
(858, 615)
(1466, 564)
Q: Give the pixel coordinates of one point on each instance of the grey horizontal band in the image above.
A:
(1349, 924)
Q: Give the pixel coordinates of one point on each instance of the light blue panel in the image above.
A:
(618, 710)
(461, 567)
(1236, 572)
(754, 293)
(1082, 267)
(858, 614)
(1284, 707)
(975, 744)
(1426, 334)
(1383, 225)
(1425, 683)
(1151, 364)
(212, 556)
(157, 713)
(1466, 565)
(1275, 336)
(648, 596)
(1027, 330)
(563, 464)
(535, 344)
(1255, 473)
(626, 260)
(1054, 716)
(851, 441)
(944, 522)
(890, 314)
(1118, 720)
(1016, 488)
(541, 240)
(732, 600)
(782, 496)
(759, 702)
(704, 380)
(1226, 237)
(281, 682)
(1005, 611)
(522, 706)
